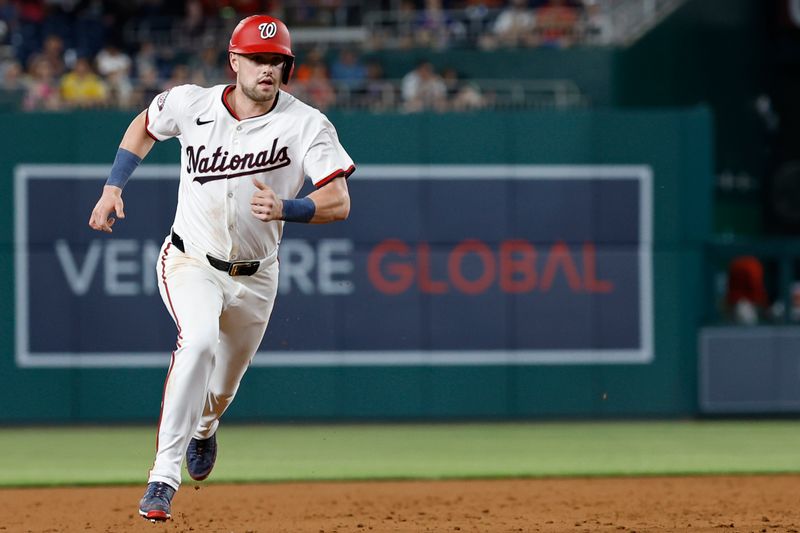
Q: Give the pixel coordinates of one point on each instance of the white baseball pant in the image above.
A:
(221, 320)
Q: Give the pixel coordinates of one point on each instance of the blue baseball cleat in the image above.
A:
(201, 456)
(156, 502)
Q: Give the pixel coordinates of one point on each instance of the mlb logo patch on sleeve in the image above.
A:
(161, 99)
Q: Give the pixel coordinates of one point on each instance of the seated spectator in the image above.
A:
(115, 66)
(53, 53)
(43, 92)
(513, 27)
(423, 89)
(452, 81)
(13, 77)
(206, 67)
(478, 15)
(82, 87)
(432, 26)
(461, 95)
(120, 90)
(556, 24)
(111, 59)
(314, 61)
(348, 71)
(316, 88)
(470, 97)
(12, 85)
(378, 93)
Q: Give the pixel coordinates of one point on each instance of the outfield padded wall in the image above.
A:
(675, 144)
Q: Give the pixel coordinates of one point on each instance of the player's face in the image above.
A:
(258, 75)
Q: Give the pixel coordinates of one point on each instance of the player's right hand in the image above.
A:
(265, 204)
(109, 203)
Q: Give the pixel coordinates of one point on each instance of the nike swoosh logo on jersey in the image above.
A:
(202, 122)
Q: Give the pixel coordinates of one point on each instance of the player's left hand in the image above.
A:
(265, 204)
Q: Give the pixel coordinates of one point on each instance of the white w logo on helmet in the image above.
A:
(268, 30)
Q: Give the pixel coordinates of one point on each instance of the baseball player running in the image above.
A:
(245, 152)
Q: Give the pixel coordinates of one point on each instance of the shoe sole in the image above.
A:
(200, 478)
(155, 516)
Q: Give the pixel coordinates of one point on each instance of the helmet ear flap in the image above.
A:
(288, 68)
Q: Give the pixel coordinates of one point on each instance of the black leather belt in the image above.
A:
(237, 268)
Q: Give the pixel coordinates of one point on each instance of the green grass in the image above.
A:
(57, 456)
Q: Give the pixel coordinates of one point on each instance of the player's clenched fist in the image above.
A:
(109, 203)
(265, 204)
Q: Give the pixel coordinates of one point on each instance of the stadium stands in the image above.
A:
(138, 49)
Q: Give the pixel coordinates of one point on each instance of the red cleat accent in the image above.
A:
(160, 516)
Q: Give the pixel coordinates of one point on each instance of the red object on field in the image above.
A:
(746, 282)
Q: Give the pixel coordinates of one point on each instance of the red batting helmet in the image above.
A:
(261, 33)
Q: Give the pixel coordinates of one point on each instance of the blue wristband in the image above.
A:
(124, 165)
(301, 210)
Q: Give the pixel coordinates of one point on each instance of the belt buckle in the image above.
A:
(237, 267)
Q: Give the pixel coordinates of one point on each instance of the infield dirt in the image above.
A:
(740, 503)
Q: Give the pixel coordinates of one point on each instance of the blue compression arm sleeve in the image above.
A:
(301, 210)
(124, 165)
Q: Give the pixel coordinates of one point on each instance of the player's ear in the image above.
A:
(233, 60)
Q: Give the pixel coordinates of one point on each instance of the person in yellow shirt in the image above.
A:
(82, 87)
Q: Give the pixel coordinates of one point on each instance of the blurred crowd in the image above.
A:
(62, 54)
(489, 24)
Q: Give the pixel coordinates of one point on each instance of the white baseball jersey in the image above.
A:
(220, 154)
